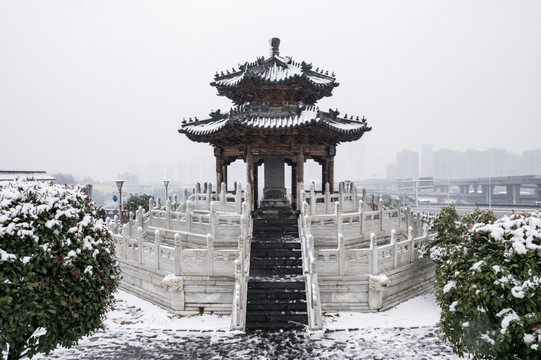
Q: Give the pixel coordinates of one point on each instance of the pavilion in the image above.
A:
(275, 121)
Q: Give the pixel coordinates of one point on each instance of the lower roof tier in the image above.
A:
(291, 123)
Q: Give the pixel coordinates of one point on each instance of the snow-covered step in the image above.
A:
(276, 289)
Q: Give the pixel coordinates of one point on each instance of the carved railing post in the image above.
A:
(315, 321)
(124, 247)
(223, 197)
(238, 198)
(341, 255)
(196, 195)
(374, 253)
(130, 224)
(395, 248)
(175, 202)
(313, 208)
(338, 218)
(381, 212)
(341, 193)
(306, 218)
(364, 196)
(157, 243)
(412, 244)
(210, 254)
(139, 217)
(213, 223)
(238, 313)
(140, 237)
(116, 230)
(361, 216)
(209, 196)
(327, 199)
(178, 255)
(188, 221)
(353, 191)
(168, 209)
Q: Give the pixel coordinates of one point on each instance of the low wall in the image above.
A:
(188, 296)
(365, 260)
(186, 272)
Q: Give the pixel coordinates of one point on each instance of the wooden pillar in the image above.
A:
(250, 175)
(323, 175)
(330, 173)
(224, 174)
(255, 190)
(294, 185)
(327, 173)
(219, 172)
(299, 176)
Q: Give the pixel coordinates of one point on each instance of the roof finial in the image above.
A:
(275, 43)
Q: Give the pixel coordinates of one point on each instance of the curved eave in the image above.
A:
(274, 69)
(246, 79)
(340, 130)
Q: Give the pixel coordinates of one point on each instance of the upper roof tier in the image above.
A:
(275, 80)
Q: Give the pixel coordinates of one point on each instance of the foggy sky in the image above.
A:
(99, 88)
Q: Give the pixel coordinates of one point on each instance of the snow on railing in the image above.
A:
(183, 243)
(313, 302)
(242, 272)
(371, 261)
(322, 202)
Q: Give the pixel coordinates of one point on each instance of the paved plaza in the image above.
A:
(137, 329)
(367, 343)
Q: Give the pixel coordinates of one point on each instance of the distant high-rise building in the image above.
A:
(532, 162)
(407, 163)
(427, 160)
(452, 164)
(391, 172)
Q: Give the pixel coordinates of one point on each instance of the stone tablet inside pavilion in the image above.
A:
(275, 121)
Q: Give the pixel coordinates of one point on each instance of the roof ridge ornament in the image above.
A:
(275, 44)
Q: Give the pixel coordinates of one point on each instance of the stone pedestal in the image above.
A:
(274, 193)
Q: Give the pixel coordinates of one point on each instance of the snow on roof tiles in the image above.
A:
(268, 122)
(274, 69)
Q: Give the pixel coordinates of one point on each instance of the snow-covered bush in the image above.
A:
(489, 290)
(449, 229)
(58, 271)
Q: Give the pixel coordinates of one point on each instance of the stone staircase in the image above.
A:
(276, 289)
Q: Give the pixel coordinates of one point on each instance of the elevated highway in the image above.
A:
(514, 190)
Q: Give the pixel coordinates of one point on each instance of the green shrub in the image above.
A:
(448, 231)
(58, 272)
(134, 201)
(489, 290)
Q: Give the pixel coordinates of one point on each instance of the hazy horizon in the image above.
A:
(99, 88)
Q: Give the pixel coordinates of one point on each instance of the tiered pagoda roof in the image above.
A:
(275, 97)
(308, 123)
(275, 80)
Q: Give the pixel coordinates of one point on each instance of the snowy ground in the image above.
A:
(140, 330)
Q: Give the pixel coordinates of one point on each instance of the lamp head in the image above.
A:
(119, 184)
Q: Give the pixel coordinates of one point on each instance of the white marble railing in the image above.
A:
(176, 259)
(352, 223)
(313, 302)
(183, 243)
(242, 272)
(371, 261)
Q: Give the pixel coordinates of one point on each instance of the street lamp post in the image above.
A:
(166, 183)
(119, 184)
